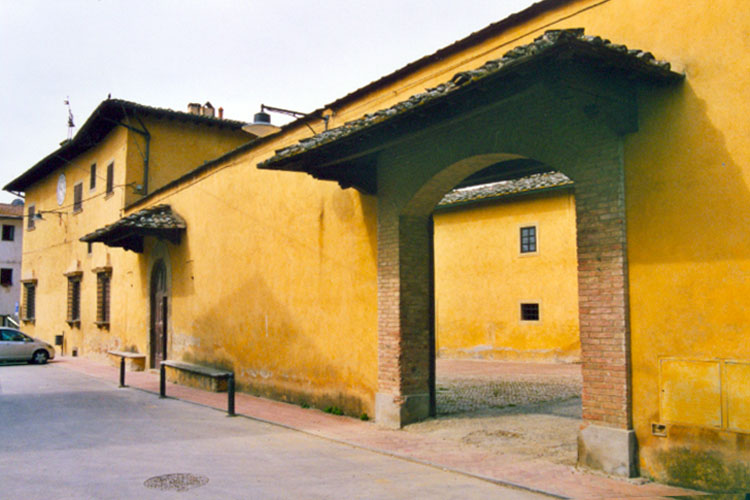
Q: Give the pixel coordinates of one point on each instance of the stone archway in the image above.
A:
(560, 135)
(565, 100)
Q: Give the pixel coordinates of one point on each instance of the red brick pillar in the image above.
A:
(607, 442)
(405, 321)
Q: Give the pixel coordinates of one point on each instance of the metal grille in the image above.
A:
(102, 297)
(74, 298)
(530, 312)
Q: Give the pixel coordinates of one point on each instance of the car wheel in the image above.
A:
(40, 357)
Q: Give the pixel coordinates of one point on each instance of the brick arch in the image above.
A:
(414, 175)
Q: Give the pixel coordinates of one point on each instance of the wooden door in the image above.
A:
(159, 314)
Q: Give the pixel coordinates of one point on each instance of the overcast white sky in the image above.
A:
(292, 54)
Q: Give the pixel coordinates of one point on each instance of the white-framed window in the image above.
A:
(528, 239)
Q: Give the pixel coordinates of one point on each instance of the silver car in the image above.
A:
(17, 346)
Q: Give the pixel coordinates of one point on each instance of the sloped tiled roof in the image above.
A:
(104, 118)
(128, 232)
(10, 210)
(536, 182)
(636, 62)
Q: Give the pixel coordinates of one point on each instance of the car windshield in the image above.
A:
(13, 336)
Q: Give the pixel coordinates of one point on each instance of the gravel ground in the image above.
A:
(508, 408)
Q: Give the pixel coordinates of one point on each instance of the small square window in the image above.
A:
(6, 277)
(78, 197)
(8, 232)
(530, 312)
(92, 177)
(528, 239)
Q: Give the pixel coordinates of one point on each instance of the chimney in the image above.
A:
(194, 108)
(208, 110)
(221, 113)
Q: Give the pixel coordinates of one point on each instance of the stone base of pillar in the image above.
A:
(394, 412)
(610, 450)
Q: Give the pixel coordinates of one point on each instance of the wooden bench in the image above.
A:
(219, 380)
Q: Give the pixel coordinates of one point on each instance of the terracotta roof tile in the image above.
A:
(10, 210)
(491, 190)
(638, 59)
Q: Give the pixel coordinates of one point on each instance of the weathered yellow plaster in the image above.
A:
(481, 278)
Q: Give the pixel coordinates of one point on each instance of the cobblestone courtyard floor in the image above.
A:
(522, 408)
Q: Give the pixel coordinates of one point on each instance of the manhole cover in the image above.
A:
(176, 482)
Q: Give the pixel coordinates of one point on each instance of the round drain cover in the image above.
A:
(176, 482)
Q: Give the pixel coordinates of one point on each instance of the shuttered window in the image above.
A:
(29, 301)
(92, 177)
(103, 280)
(110, 178)
(78, 197)
(74, 298)
(30, 217)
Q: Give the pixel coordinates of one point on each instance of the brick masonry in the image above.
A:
(545, 123)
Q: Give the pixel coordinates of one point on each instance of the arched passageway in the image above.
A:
(560, 101)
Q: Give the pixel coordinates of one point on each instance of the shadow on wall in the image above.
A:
(267, 340)
(689, 192)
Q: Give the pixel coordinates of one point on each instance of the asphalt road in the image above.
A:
(65, 435)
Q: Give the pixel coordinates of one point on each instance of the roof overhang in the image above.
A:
(108, 115)
(128, 233)
(347, 154)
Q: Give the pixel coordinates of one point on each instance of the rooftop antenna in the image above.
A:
(71, 125)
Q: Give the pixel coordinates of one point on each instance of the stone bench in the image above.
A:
(134, 362)
(202, 377)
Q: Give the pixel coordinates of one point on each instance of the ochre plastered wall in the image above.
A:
(481, 278)
(687, 177)
(274, 279)
(52, 248)
(176, 147)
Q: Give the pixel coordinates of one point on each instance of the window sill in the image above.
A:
(102, 324)
(76, 323)
(29, 320)
(109, 195)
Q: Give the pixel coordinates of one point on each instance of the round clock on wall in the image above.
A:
(61, 189)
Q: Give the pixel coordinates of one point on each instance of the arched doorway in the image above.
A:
(159, 303)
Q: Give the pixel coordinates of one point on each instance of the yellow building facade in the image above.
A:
(318, 294)
(506, 284)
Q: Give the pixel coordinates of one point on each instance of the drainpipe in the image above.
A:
(147, 136)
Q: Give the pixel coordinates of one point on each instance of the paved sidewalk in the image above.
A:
(513, 470)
